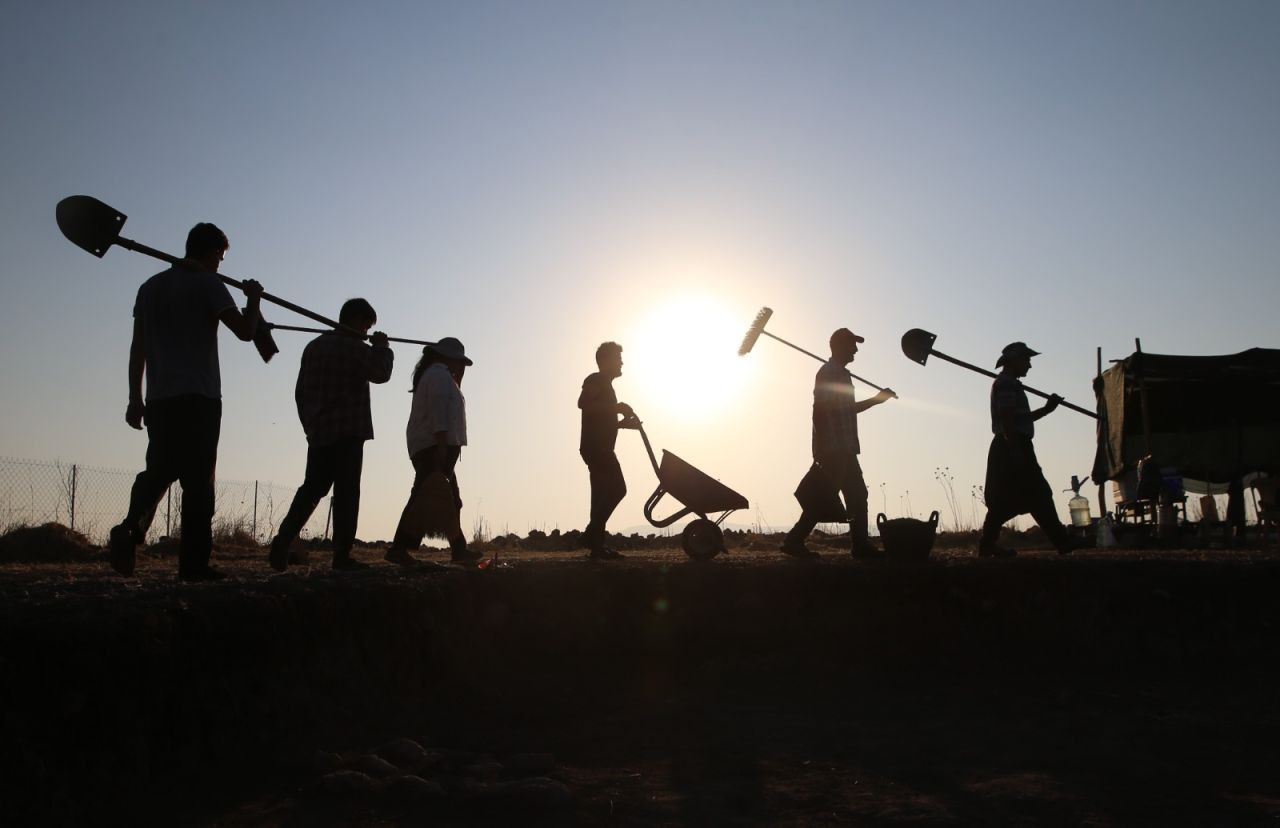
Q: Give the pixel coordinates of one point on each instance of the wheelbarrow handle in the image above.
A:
(649, 448)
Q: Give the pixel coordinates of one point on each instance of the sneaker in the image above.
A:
(203, 573)
(463, 555)
(121, 547)
(348, 565)
(278, 557)
(1072, 544)
(401, 557)
(797, 549)
(996, 552)
(603, 554)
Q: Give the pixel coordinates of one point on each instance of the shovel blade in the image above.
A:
(89, 224)
(917, 344)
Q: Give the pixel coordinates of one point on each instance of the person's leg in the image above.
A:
(412, 526)
(203, 422)
(348, 464)
(316, 480)
(164, 442)
(458, 551)
(608, 488)
(854, 488)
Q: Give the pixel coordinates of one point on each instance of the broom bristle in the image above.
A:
(753, 333)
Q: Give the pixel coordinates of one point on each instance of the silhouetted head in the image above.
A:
(451, 352)
(609, 359)
(207, 245)
(1015, 359)
(844, 344)
(359, 314)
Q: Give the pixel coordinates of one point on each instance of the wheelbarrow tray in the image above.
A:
(696, 489)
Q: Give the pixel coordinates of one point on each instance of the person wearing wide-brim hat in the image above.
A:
(1015, 483)
(436, 433)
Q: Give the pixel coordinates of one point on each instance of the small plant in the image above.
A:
(947, 482)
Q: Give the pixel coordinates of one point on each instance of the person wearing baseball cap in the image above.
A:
(836, 448)
(1015, 483)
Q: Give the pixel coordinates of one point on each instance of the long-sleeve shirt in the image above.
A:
(332, 393)
(438, 405)
(599, 406)
(835, 413)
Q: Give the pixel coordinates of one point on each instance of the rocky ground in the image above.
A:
(1121, 687)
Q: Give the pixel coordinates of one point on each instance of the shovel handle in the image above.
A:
(273, 326)
(138, 247)
(1026, 388)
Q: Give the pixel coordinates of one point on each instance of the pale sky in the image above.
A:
(537, 177)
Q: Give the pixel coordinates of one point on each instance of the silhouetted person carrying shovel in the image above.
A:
(332, 395)
(175, 345)
(1015, 483)
(600, 424)
(836, 447)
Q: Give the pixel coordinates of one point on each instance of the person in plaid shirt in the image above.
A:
(836, 447)
(333, 404)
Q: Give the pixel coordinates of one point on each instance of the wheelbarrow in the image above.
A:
(699, 494)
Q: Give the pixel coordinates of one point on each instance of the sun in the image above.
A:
(680, 359)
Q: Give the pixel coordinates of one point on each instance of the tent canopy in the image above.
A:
(1213, 418)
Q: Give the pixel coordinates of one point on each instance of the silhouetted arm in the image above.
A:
(136, 409)
(380, 358)
(245, 325)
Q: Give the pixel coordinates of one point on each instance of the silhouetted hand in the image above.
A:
(625, 410)
(1053, 403)
(134, 414)
(629, 421)
(252, 289)
(379, 340)
(885, 395)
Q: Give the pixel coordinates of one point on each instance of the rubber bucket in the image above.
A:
(907, 539)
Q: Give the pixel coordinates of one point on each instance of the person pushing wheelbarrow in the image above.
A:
(600, 424)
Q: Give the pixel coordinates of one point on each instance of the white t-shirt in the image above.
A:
(179, 311)
(438, 405)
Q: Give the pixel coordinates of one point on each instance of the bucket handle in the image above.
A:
(933, 519)
(880, 520)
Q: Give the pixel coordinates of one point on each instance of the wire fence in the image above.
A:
(91, 500)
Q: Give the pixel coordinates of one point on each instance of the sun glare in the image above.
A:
(681, 359)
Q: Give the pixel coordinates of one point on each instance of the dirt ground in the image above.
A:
(1104, 688)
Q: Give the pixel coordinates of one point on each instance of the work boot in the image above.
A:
(121, 546)
(462, 555)
(796, 549)
(401, 557)
(994, 551)
(346, 563)
(278, 557)
(603, 554)
(864, 549)
(201, 573)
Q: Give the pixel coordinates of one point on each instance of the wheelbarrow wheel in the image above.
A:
(702, 540)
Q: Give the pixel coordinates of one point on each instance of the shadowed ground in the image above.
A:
(1114, 688)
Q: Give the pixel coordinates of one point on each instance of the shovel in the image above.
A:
(93, 227)
(917, 344)
(757, 328)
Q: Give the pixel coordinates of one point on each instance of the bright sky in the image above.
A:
(535, 178)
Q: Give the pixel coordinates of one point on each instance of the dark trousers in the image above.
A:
(608, 487)
(182, 445)
(412, 527)
(1015, 485)
(846, 472)
(338, 465)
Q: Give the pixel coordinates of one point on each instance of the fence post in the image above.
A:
(73, 497)
(255, 510)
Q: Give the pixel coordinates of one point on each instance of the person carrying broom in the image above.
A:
(836, 448)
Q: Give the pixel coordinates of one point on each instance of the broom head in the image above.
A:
(753, 333)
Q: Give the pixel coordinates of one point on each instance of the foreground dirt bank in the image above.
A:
(1099, 689)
